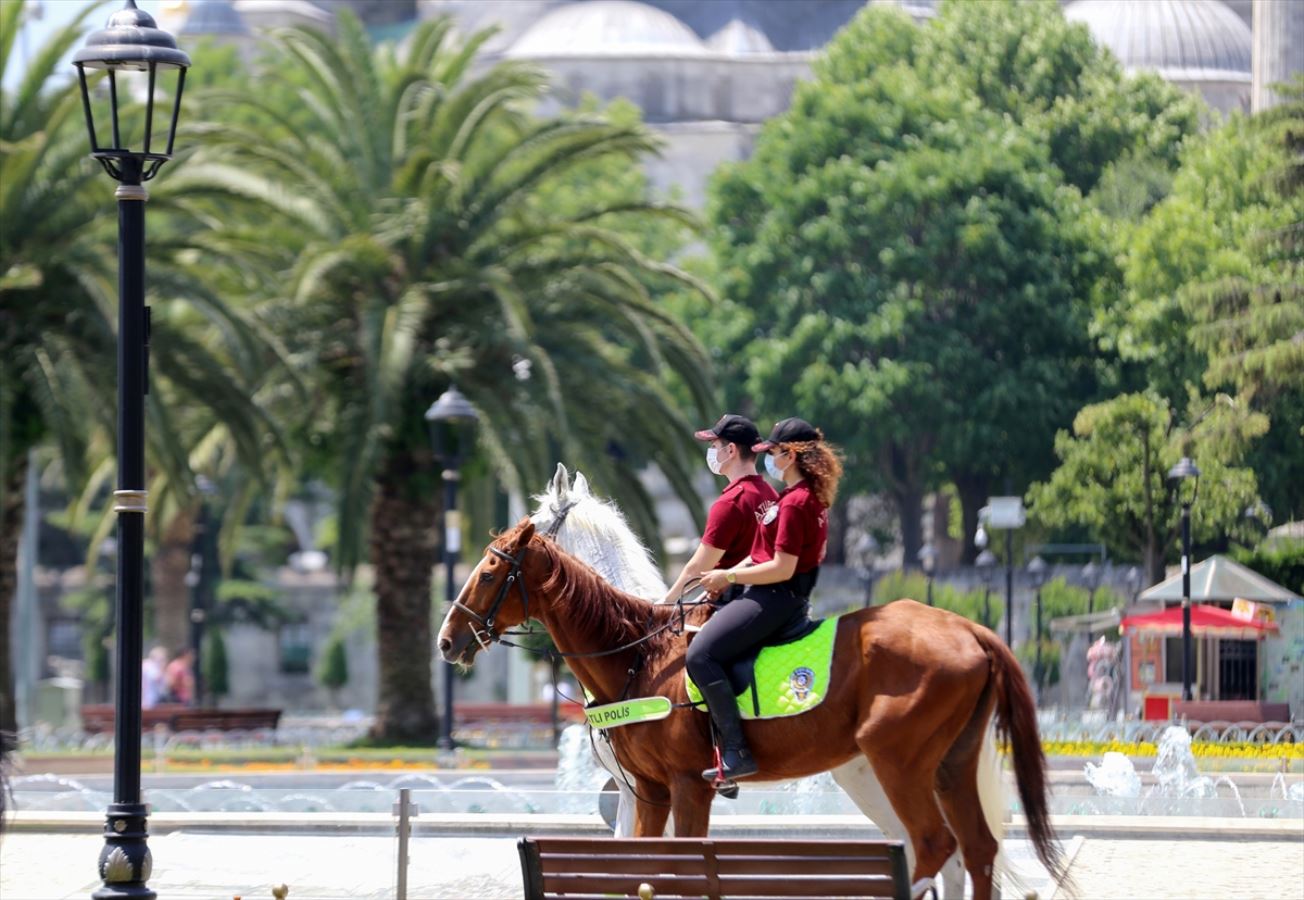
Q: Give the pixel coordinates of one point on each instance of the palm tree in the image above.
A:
(58, 302)
(437, 240)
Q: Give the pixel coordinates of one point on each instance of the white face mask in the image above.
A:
(713, 461)
(772, 468)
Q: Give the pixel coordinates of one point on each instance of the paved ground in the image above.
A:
(218, 867)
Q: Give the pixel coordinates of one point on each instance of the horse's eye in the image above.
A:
(486, 577)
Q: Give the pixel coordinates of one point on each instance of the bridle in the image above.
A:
(485, 635)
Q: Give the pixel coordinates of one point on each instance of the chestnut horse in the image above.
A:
(913, 689)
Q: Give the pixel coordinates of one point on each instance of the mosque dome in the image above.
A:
(607, 28)
(1182, 40)
(738, 37)
(214, 17)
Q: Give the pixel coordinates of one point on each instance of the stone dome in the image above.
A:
(1182, 40)
(607, 28)
(739, 37)
(215, 17)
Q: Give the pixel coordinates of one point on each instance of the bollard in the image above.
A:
(405, 809)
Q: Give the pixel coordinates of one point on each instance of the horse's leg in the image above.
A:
(651, 808)
(692, 798)
(910, 791)
(858, 781)
(961, 802)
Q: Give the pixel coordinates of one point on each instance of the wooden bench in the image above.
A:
(574, 868)
(1234, 711)
(98, 718)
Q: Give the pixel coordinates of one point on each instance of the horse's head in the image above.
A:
(561, 497)
(494, 598)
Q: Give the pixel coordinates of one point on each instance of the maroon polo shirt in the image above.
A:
(799, 527)
(732, 523)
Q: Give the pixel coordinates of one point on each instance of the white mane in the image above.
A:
(596, 532)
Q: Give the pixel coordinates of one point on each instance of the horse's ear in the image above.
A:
(524, 531)
(580, 486)
(560, 486)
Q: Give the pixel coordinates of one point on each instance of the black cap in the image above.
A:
(738, 430)
(789, 431)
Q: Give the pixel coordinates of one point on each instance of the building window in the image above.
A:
(295, 641)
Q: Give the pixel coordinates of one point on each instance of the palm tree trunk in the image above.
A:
(403, 545)
(11, 529)
(973, 490)
(168, 571)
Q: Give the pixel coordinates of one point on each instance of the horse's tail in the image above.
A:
(1016, 723)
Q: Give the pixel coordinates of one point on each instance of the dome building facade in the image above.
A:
(1201, 46)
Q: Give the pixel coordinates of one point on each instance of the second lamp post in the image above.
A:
(1186, 470)
(452, 420)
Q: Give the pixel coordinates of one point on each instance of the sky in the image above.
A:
(44, 17)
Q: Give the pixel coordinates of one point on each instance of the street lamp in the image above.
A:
(452, 420)
(1091, 574)
(1037, 571)
(928, 559)
(1186, 470)
(1133, 581)
(866, 555)
(129, 43)
(1007, 514)
(986, 563)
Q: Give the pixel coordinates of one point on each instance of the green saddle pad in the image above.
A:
(789, 679)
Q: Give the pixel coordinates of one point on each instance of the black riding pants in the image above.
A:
(744, 622)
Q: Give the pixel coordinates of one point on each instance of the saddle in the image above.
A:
(796, 663)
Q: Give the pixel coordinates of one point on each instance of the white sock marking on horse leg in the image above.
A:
(917, 889)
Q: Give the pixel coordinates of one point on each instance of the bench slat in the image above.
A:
(578, 863)
(806, 886)
(688, 885)
(831, 865)
(723, 847)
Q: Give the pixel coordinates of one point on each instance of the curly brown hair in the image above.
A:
(820, 463)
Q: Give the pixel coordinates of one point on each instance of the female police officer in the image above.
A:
(784, 565)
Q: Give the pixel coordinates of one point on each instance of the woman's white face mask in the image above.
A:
(713, 461)
(772, 468)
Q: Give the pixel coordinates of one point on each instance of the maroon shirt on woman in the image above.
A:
(799, 527)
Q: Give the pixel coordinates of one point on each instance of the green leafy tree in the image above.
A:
(433, 240)
(217, 676)
(1113, 475)
(907, 261)
(333, 673)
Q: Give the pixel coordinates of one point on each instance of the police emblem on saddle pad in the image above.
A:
(788, 679)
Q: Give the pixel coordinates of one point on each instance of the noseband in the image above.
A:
(485, 635)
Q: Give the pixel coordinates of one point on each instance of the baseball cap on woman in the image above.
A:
(789, 431)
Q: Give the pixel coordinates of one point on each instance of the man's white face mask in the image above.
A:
(713, 461)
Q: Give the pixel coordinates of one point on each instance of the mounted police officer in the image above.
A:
(736, 514)
(777, 579)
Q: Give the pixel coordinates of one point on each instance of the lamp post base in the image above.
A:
(125, 861)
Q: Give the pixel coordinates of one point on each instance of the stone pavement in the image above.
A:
(1106, 869)
(190, 866)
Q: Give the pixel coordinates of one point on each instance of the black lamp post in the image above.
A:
(1037, 572)
(1007, 514)
(928, 559)
(130, 43)
(1091, 574)
(1186, 470)
(1133, 580)
(452, 420)
(986, 563)
(866, 554)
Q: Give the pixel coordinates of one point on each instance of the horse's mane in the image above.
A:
(596, 532)
(608, 614)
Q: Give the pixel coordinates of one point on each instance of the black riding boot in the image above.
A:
(735, 755)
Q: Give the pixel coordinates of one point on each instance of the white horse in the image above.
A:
(595, 531)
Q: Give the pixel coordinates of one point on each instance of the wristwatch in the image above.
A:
(731, 577)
